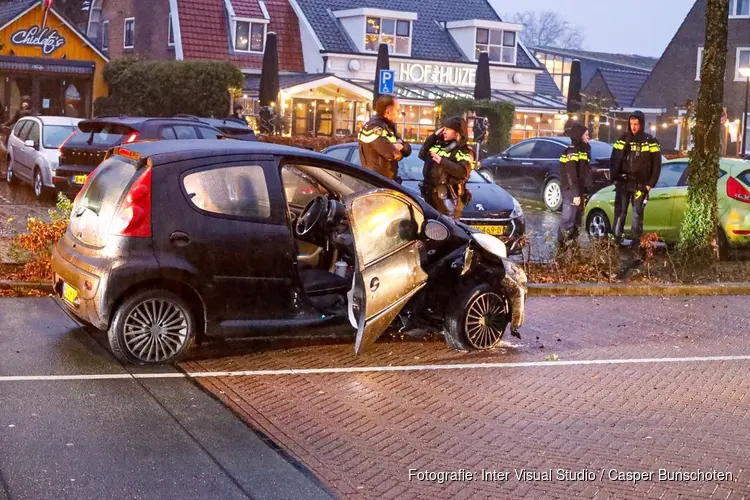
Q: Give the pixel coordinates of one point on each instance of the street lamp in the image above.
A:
(745, 71)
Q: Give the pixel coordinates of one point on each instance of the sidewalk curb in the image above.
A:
(634, 290)
(37, 285)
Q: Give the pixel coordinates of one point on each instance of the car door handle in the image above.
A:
(374, 285)
(526, 163)
(179, 238)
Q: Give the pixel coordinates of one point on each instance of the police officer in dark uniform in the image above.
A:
(380, 147)
(575, 182)
(635, 167)
(448, 162)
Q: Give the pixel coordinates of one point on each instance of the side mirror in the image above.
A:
(436, 231)
(29, 143)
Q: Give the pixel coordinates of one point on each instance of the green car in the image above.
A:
(667, 200)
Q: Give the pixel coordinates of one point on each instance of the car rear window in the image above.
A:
(105, 135)
(601, 150)
(54, 135)
(93, 212)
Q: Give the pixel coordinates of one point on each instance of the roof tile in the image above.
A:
(247, 8)
(624, 85)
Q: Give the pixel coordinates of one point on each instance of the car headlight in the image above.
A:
(517, 210)
(491, 244)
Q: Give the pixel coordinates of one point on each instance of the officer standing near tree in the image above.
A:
(448, 162)
(635, 167)
(380, 147)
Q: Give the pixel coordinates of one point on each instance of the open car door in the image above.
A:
(385, 225)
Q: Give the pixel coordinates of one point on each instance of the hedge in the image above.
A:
(167, 88)
(499, 114)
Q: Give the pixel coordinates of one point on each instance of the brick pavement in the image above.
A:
(362, 432)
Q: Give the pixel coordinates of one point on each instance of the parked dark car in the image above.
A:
(230, 127)
(531, 168)
(170, 241)
(86, 148)
(491, 210)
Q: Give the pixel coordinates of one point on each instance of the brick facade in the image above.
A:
(151, 28)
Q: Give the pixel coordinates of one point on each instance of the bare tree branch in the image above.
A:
(548, 29)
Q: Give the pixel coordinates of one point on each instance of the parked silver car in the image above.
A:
(33, 150)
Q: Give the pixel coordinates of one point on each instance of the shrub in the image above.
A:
(167, 88)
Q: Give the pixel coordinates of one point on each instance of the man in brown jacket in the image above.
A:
(380, 147)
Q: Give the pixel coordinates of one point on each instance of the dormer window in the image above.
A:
(249, 36)
(396, 33)
(499, 44)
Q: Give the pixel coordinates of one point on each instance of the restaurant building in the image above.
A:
(328, 51)
(46, 57)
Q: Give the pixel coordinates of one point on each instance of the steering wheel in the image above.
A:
(312, 215)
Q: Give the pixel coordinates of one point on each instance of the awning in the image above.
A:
(42, 65)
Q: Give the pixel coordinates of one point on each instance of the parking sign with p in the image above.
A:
(386, 81)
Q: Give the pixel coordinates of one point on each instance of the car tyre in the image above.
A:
(552, 195)
(10, 176)
(597, 224)
(153, 327)
(40, 190)
(479, 319)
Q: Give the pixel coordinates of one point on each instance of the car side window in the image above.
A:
(339, 153)
(18, 127)
(185, 132)
(299, 188)
(671, 174)
(22, 129)
(382, 224)
(235, 191)
(33, 134)
(209, 133)
(547, 150)
(167, 133)
(522, 150)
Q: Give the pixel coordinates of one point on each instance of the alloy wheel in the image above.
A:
(598, 226)
(552, 195)
(38, 187)
(486, 319)
(156, 330)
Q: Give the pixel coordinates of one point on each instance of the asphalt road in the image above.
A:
(119, 437)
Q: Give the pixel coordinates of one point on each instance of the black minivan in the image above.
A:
(168, 241)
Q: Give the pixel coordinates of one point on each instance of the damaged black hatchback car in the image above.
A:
(169, 242)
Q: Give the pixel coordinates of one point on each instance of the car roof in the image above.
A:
(230, 123)
(134, 121)
(55, 120)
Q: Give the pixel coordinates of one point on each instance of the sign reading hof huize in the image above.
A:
(438, 74)
(49, 40)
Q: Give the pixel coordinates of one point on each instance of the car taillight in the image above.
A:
(59, 150)
(134, 217)
(737, 191)
(131, 138)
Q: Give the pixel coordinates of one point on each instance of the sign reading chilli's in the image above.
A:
(49, 40)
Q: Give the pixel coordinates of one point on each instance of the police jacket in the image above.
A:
(454, 168)
(377, 147)
(636, 158)
(575, 170)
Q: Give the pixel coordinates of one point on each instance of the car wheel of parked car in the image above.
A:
(487, 175)
(552, 195)
(40, 191)
(598, 224)
(152, 327)
(479, 319)
(10, 176)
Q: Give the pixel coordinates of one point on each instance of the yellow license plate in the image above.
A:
(69, 293)
(80, 179)
(493, 230)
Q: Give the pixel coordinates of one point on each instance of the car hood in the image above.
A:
(487, 200)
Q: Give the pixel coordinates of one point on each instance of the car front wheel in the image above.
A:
(479, 319)
(10, 176)
(598, 224)
(152, 327)
(552, 195)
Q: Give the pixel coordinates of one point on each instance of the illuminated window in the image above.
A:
(499, 44)
(395, 33)
(249, 36)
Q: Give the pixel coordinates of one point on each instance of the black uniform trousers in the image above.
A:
(624, 197)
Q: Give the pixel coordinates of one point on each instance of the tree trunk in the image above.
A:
(595, 132)
(700, 222)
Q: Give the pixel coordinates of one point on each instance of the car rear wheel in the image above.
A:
(479, 319)
(10, 176)
(598, 224)
(152, 327)
(552, 195)
(40, 190)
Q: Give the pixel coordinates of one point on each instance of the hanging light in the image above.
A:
(664, 125)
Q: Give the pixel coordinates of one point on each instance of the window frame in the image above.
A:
(170, 32)
(395, 35)
(522, 143)
(502, 46)
(698, 65)
(125, 33)
(737, 76)
(105, 36)
(733, 8)
(250, 23)
(551, 144)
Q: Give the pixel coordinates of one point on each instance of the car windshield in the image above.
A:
(410, 169)
(54, 135)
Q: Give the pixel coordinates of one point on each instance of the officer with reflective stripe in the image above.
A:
(448, 162)
(380, 147)
(635, 167)
(575, 182)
